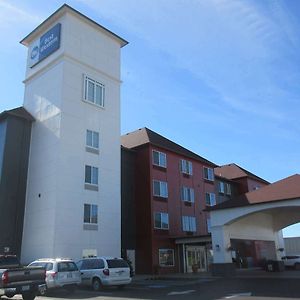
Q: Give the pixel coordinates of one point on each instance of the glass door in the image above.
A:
(195, 259)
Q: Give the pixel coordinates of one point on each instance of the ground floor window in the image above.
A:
(166, 257)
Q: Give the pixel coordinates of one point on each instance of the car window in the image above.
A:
(67, 266)
(97, 264)
(72, 266)
(117, 263)
(79, 264)
(46, 266)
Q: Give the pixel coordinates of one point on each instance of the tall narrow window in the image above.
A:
(160, 189)
(90, 213)
(208, 174)
(186, 167)
(221, 187)
(92, 139)
(228, 189)
(94, 91)
(91, 175)
(159, 159)
(208, 224)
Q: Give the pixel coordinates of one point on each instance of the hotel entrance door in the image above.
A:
(195, 259)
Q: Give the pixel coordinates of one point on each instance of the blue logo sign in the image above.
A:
(34, 52)
(48, 43)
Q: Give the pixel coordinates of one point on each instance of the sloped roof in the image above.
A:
(58, 13)
(284, 189)
(145, 136)
(234, 171)
(19, 112)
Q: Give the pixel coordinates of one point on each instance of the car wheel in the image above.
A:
(96, 285)
(28, 295)
(297, 266)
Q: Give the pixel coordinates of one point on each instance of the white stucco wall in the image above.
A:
(53, 222)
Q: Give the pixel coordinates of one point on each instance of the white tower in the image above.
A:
(72, 88)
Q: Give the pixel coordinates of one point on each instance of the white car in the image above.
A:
(292, 261)
(60, 272)
(104, 271)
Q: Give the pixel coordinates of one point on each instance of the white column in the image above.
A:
(220, 243)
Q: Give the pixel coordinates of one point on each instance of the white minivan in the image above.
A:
(60, 272)
(104, 271)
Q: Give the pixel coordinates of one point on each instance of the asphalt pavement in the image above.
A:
(204, 289)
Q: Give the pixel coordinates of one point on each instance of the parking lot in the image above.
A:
(214, 288)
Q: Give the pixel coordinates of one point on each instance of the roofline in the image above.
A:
(23, 41)
(6, 113)
(200, 158)
(249, 204)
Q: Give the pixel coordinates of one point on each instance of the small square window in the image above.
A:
(186, 167)
(161, 220)
(166, 257)
(160, 189)
(94, 91)
(208, 174)
(159, 159)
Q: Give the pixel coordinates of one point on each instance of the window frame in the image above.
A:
(221, 187)
(210, 174)
(186, 220)
(91, 175)
(160, 188)
(187, 191)
(186, 167)
(208, 225)
(161, 214)
(159, 159)
(86, 139)
(210, 198)
(159, 257)
(91, 206)
(96, 83)
(228, 188)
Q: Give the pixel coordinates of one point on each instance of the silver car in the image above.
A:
(60, 273)
(104, 271)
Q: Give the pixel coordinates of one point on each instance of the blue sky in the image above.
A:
(220, 77)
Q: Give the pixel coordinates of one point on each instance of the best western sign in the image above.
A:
(45, 45)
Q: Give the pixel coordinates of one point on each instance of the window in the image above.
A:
(159, 159)
(94, 91)
(208, 174)
(160, 189)
(186, 167)
(117, 263)
(91, 175)
(92, 139)
(161, 220)
(228, 189)
(90, 214)
(187, 194)
(208, 223)
(189, 224)
(210, 199)
(166, 257)
(91, 264)
(221, 187)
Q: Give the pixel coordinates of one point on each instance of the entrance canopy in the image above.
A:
(257, 216)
